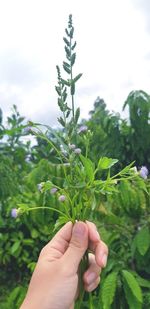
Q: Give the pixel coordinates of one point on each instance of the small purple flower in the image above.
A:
(40, 186)
(72, 146)
(143, 172)
(77, 151)
(53, 190)
(82, 129)
(27, 130)
(14, 213)
(62, 198)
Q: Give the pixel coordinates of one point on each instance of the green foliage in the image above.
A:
(105, 163)
(119, 208)
(118, 138)
(133, 285)
(143, 240)
(15, 298)
(108, 290)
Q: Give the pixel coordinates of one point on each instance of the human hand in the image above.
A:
(54, 283)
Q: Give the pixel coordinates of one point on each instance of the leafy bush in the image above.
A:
(122, 217)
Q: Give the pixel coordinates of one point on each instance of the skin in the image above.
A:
(54, 283)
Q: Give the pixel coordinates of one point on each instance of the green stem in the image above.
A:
(87, 147)
(41, 135)
(72, 97)
(91, 301)
(82, 268)
(49, 208)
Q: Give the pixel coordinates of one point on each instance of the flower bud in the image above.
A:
(27, 130)
(72, 146)
(62, 198)
(82, 129)
(143, 172)
(53, 190)
(15, 212)
(77, 151)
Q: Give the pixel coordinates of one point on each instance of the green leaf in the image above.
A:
(61, 121)
(143, 240)
(66, 68)
(15, 247)
(77, 114)
(61, 104)
(89, 167)
(61, 221)
(133, 285)
(67, 50)
(74, 45)
(65, 82)
(29, 242)
(64, 96)
(73, 57)
(142, 282)
(66, 30)
(77, 77)
(94, 202)
(47, 186)
(68, 113)
(66, 64)
(66, 41)
(71, 32)
(108, 290)
(72, 88)
(105, 163)
(131, 300)
(58, 90)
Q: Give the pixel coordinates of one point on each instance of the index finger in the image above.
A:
(96, 245)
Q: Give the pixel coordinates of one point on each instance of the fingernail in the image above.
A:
(79, 229)
(104, 260)
(91, 277)
(97, 235)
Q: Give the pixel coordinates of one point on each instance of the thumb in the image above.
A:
(77, 246)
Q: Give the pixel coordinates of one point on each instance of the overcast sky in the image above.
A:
(113, 52)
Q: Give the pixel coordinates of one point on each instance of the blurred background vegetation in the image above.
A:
(123, 218)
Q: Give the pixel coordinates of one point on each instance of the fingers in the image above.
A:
(93, 285)
(71, 242)
(97, 246)
(101, 254)
(94, 236)
(77, 246)
(59, 244)
(91, 277)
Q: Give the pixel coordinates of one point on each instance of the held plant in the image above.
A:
(84, 182)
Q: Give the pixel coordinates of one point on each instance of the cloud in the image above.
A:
(144, 8)
(17, 70)
(112, 52)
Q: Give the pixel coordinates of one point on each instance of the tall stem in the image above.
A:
(72, 96)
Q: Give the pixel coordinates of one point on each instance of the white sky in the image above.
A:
(113, 52)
